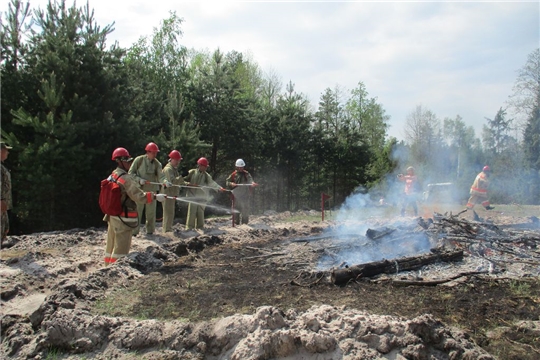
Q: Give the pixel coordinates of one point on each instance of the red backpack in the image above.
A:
(110, 197)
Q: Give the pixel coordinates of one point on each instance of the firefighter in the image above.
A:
(241, 183)
(199, 180)
(147, 169)
(173, 176)
(478, 191)
(410, 192)
(6, 199)
(119, 229)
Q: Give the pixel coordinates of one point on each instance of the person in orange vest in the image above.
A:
(410, 192)
(479, 194)
(119, 229)
(241, 183)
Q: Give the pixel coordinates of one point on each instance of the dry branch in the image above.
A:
(319, 278)
(434, 282)
(265, 256)
(527, 346)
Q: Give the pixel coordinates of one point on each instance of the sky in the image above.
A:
(452, 58)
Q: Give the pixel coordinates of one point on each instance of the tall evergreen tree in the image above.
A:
(531, 144)
(63, 126)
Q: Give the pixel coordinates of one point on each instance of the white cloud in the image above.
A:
(451, 57)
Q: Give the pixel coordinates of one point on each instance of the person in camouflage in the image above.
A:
(241, 183)
(173, 176)
(119, 229)
(198, 181)
(6, 202)
(145, 169)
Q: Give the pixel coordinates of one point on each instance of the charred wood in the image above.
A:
(342, 276)
(375, 234)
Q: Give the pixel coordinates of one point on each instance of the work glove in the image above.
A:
(233, 184)
(160, 197)
(167, 184)
(222, 189)
(142, 181)
(254, 184)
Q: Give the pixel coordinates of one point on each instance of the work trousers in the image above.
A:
(195, 216)
(478, 199)
(150, 213)
(169, 207)
(409, 200)
(241, 204)
(4, 225)
(118, 238)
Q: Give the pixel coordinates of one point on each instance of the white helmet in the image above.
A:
(240, 163)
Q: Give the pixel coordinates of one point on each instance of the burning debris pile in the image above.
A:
(428, 248)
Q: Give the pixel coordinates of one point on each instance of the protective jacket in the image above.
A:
(410, 184)
(174, 177)
(240, 177)
(197, 177)
(149, 170)
(480, 185)
(131, 195)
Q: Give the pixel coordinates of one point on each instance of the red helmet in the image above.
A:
(202, 161)
(486, 168)
(151, 147)
(120, 153)
(175, 154)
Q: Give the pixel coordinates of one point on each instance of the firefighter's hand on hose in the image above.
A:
(160, 197)
(167, 184)
(233, 184)
(142, 181)
(254, 184)
(222, 189)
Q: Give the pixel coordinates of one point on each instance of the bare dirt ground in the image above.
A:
(265, 291)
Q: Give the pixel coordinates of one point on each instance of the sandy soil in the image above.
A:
(265, 291)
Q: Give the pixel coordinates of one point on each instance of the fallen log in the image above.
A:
(342, 276)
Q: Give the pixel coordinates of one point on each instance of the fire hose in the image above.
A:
(198, 203)
(186, 186)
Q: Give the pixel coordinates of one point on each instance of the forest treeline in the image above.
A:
(69, 98)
